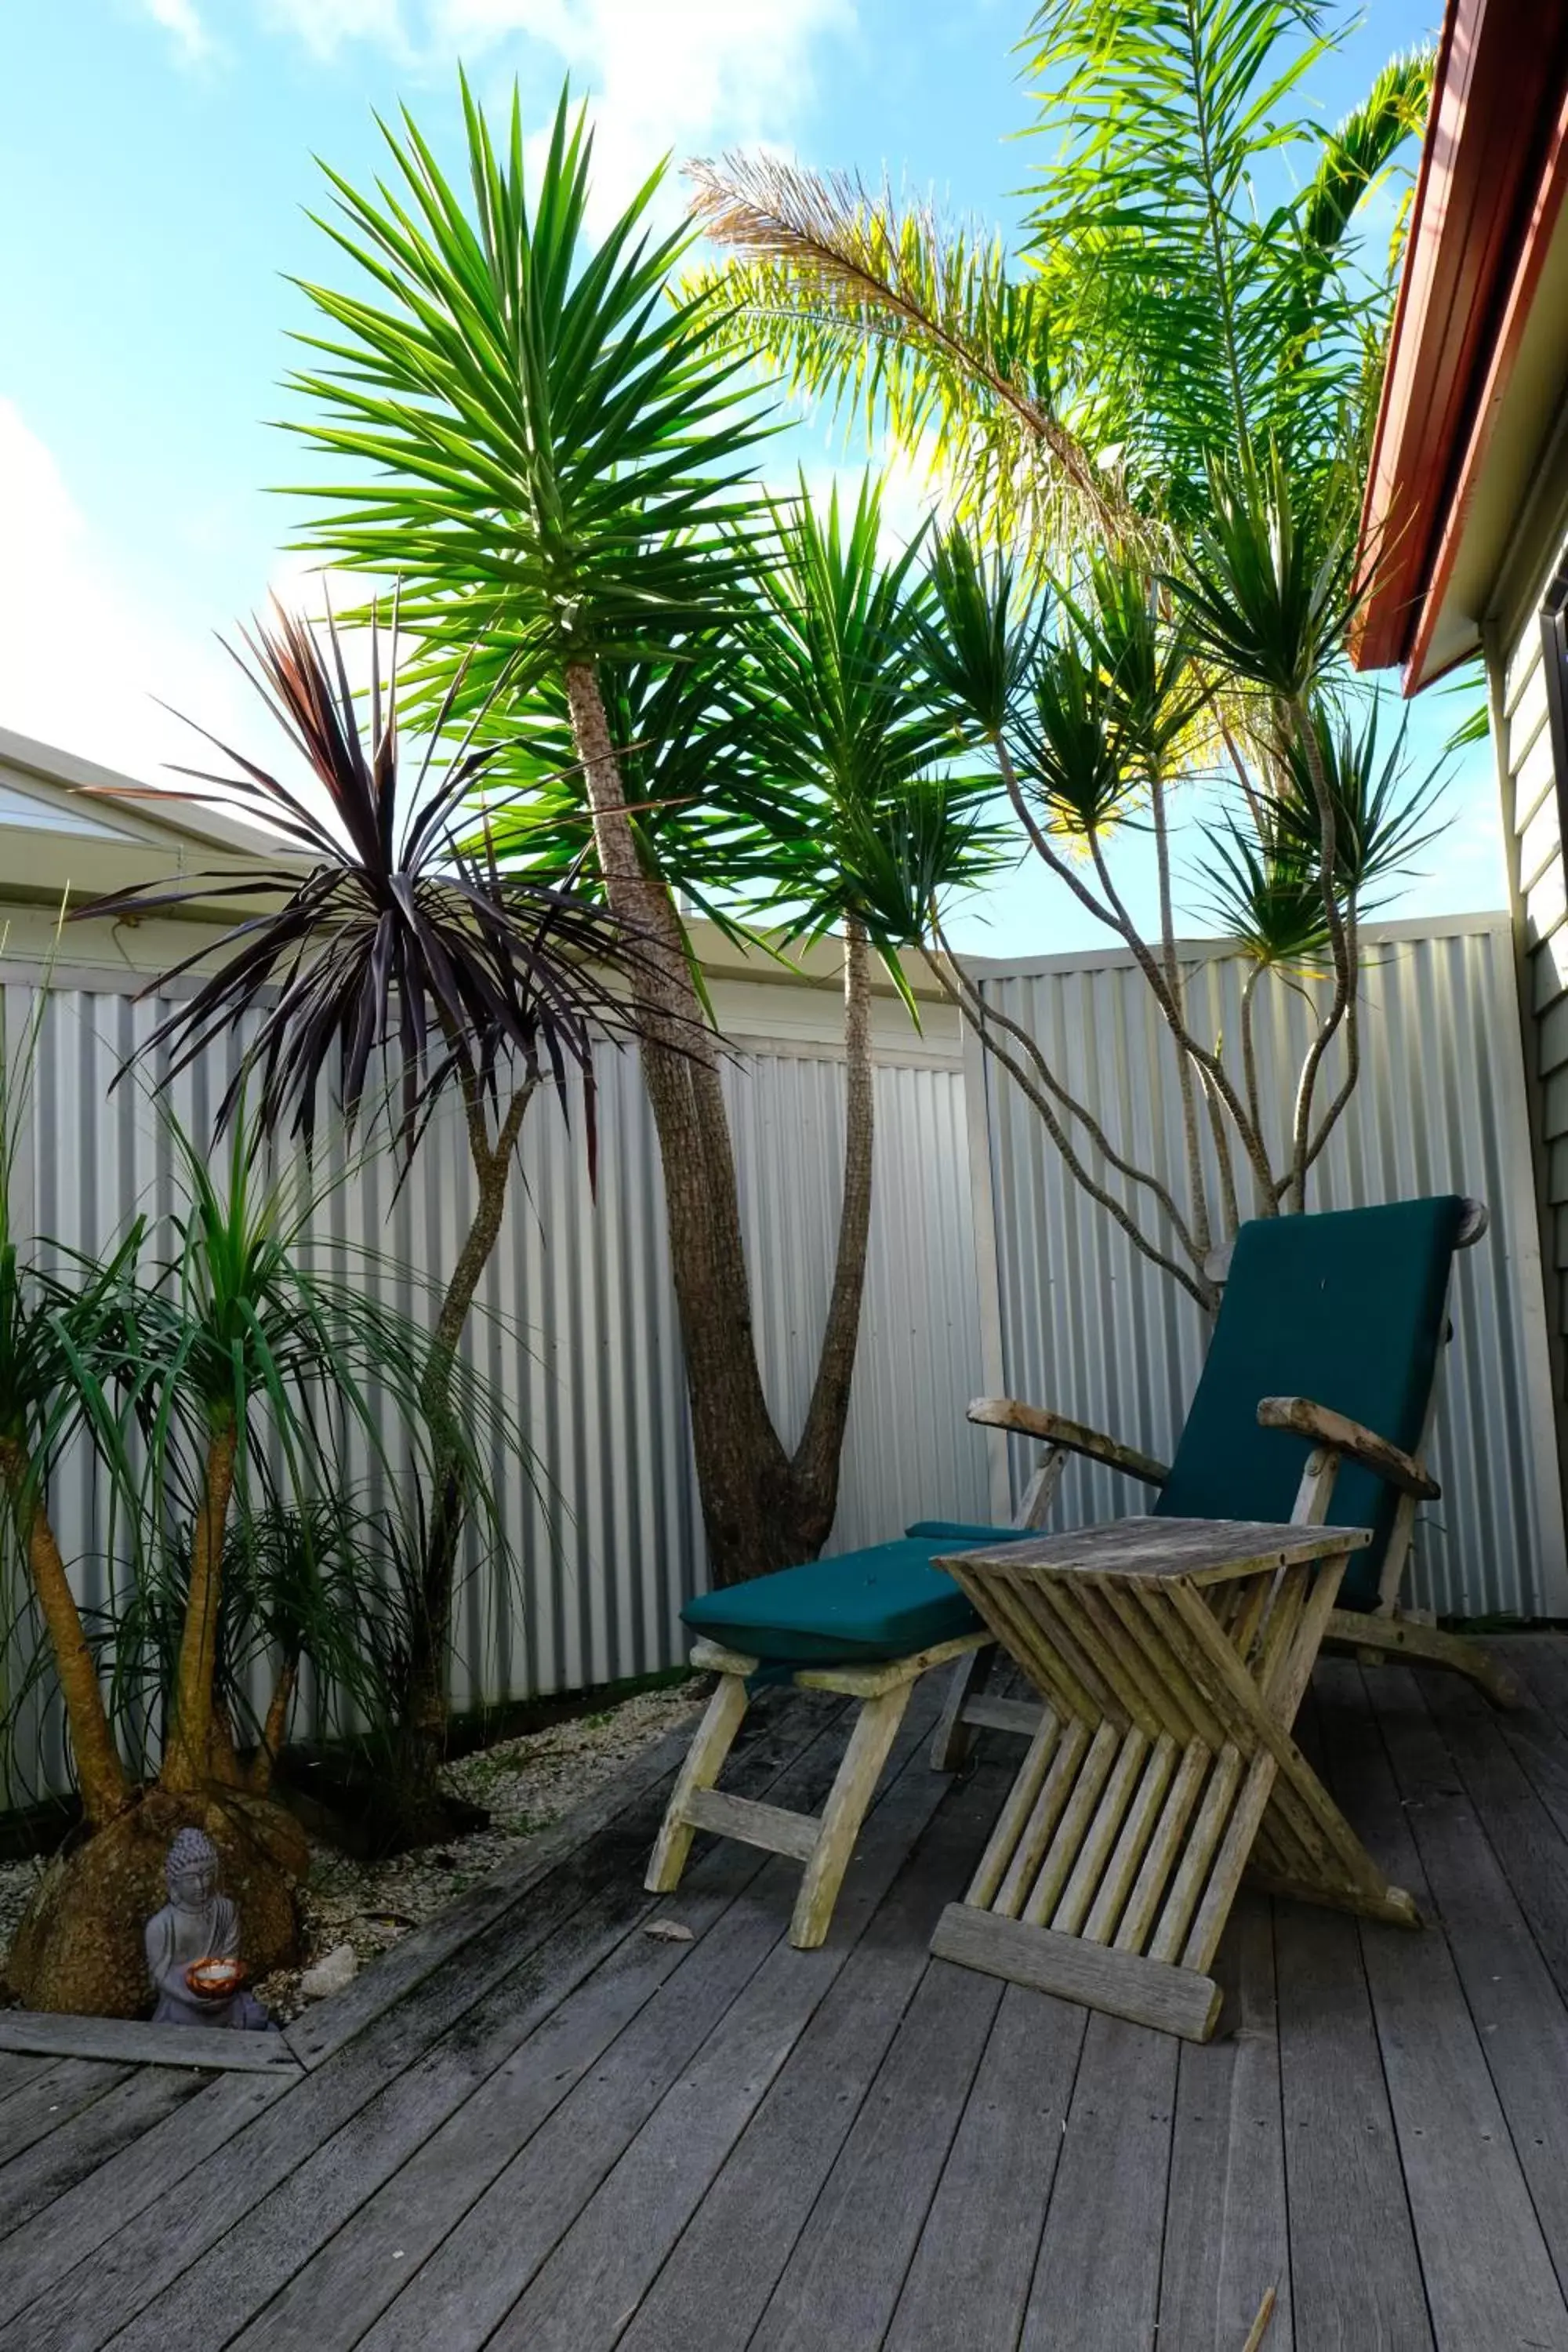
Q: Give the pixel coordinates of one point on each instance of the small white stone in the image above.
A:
(333, 1972)
(669, 1931)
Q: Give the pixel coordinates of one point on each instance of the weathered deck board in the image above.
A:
(732, 2195)
(501, 2087)
(1485, 2263)
(1100, 2256)
(969, 2281)
(94, 2136)
(475, 2280)
(541, 2128)
(1226, 2234)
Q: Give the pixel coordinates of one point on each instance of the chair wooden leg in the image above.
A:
(1403, 1637)
(875, 1728)
(704, 1762)
(954, 1735)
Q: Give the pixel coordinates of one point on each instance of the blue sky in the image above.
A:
(155, 161)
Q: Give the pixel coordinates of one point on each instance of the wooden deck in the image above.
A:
(537, 2126)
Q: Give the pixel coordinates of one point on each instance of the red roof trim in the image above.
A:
(1543, 219)
(1496, 103)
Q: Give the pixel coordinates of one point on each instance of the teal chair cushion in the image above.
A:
(1347, 1308)
(885, 1601)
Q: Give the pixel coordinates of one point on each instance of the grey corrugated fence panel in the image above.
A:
(1089, 1328)
(581, 1334)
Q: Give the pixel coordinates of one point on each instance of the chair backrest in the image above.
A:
(1348, 1309)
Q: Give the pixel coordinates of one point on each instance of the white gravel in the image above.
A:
(523, 1783)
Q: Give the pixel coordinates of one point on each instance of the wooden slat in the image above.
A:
(1227, 2237)
(1116, 1883)
(1011, 1820)
(755, 1824)
(1097, 2281)
(731, 2230)
(1073, 1827)
(1094, 1855)
(1164, 1846)
(122, 2042)
(1019, 1715)
(1203, 1841)
(1124, 1984)
(1485, 2266)
(1041, 1825)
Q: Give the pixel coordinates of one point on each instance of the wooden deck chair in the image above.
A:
(866, 1626)
(1173, 1651)
(1303, 1314)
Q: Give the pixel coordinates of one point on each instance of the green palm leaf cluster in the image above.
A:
(524, 433)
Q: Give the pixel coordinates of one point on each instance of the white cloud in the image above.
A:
(664, 75)
(84, 648)
(179, 17)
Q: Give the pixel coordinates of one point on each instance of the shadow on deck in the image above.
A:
(537, 2126)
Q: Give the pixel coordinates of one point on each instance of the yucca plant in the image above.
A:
(393, 964)
(553, 456)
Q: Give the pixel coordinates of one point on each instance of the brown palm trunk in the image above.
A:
(821, 1449)
(186, 1761)
(100, 1775)
(750, 1498)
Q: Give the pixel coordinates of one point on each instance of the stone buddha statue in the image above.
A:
(197, 1922)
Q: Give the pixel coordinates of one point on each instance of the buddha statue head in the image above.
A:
(191, 1870)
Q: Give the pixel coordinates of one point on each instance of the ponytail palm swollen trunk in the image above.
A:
(552, 460)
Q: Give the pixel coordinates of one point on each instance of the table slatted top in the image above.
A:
(1206, 1551)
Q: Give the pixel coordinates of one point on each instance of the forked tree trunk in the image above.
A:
(100, 1775)
(761, 1509)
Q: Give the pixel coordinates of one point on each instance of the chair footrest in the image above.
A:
(772, 1826)
(1126, 1984)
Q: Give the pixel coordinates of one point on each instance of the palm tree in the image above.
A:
(1157, 316)
(549, 456)
(1174, 369)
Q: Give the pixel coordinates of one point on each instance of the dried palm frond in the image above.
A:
(915, 323)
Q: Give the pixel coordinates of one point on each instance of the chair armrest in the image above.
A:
(1054, 1428)
(1343, 1436)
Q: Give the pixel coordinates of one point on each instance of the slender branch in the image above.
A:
(1248, 1048)
(1230, 1205)
(1344, 974)
(1069, 1102)
(1201, 1291)
(1197, 1190)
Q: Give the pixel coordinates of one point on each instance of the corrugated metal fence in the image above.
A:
(1083, 1323)
(989, 1270)
(581, 1333)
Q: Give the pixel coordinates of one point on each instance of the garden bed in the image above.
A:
(522, 1782)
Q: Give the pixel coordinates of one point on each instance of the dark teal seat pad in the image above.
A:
(1348, 1309)
(885, 1601)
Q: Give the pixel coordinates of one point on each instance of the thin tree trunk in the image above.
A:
(100, 1775)
(424, 1700)
(1196, 1190)
(190, 1730)
(274, 1729)
(749, 1495)
(817, 1457)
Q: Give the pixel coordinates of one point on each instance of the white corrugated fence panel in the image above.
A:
(580, 1332)
(1088, 1327)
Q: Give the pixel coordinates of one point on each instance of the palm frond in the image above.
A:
(884, 310)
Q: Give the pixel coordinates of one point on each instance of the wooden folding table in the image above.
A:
(1173, 1656)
